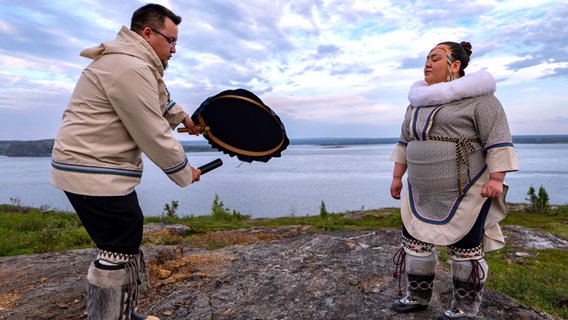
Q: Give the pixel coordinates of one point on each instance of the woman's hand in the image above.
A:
(396, 187)
(493, 188)
(397, 174)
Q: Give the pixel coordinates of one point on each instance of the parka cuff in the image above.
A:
(398, 154)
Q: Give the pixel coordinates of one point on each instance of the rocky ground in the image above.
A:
(285, 273)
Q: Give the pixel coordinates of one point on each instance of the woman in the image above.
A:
(455, 147)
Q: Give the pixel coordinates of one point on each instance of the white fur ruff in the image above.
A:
(472, 85)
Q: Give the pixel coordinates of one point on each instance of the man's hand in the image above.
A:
(191, 127)
(195, 175)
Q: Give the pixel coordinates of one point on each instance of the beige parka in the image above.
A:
(120, 108)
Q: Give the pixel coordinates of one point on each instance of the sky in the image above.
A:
(328, 68)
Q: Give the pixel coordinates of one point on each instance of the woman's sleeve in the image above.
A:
(495, 136)
(399, 153)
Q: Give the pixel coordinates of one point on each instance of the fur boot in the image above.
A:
(420, 273)
(468, 278)
(114, 281)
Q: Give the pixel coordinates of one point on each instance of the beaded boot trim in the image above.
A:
(114, 257)
(417, 247)
(465, 254)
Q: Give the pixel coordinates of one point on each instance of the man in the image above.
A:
(120, 108)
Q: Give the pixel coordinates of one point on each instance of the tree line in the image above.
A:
(42, 148)
(35, 148)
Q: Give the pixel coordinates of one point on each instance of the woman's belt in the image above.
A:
(464, 147)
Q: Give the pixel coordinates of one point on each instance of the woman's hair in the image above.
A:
(153, 16)
(459, 51)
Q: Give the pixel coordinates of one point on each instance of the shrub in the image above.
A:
(538, 202)
(323, 210)
(219, 212)
(169, 215)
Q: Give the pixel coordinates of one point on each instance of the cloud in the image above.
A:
(349, 63)
(327, 50)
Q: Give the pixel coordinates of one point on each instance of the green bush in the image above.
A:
(538, 202)
(169, 215)
(219, 212)
(323, 210)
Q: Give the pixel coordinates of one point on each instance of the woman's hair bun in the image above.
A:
(467, 47)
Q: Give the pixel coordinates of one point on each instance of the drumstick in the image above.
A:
(210, 166)
(185, 129)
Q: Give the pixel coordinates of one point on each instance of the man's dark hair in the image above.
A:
(152, 15)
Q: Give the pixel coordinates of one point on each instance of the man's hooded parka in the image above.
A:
(120, 108)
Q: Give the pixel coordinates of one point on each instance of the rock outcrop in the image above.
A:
(300, 275)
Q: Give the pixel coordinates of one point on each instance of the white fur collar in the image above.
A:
(472, 85)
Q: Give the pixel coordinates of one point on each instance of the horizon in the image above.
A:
(201, 139)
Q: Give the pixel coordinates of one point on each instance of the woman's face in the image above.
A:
(436, 67)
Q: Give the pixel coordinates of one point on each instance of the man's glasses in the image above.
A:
(170, 40)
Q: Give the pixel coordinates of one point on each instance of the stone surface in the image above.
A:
(525, 238)
(300, 275)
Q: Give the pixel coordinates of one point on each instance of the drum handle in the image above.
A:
(210, 166)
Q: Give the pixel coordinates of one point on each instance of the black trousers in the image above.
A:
(114, 223)
(474, 237)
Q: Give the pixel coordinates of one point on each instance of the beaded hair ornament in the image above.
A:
(449, 60)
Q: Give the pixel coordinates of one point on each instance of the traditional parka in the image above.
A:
(454, 135)
(120, 108)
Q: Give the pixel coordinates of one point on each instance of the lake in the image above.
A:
(345, 178)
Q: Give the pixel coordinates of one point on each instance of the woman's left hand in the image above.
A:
(492, 189)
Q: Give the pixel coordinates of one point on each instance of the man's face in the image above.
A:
(163, 41)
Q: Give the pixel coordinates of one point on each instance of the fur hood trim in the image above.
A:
(472, 85)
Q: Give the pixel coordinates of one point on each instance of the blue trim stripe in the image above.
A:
(176, 168)
(454, 207)
(428, 120)
(414, 129)
(78, 168)
(402, 143)
(169, 107)
(422, 134)
(499, 145)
